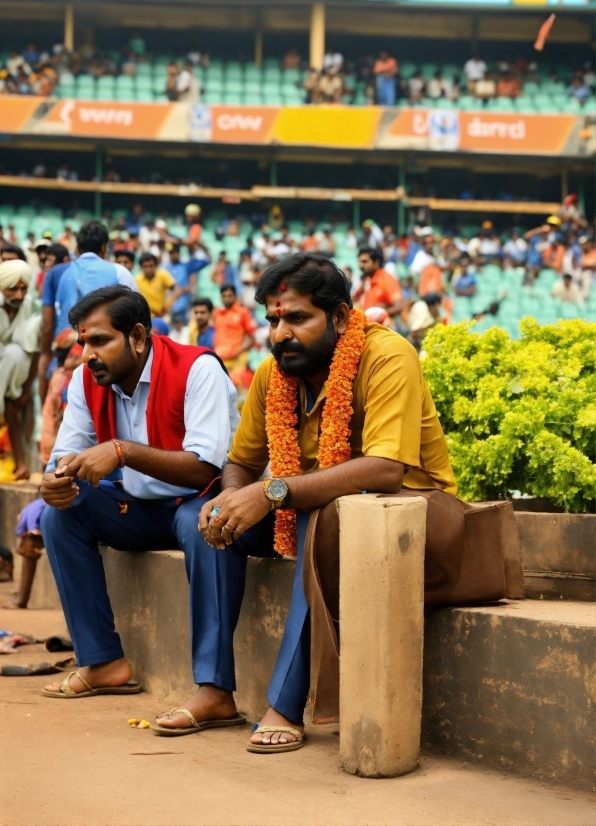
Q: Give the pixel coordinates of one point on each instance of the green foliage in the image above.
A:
(518, 415)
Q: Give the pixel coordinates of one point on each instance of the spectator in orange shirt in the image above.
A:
(192, 214)
(552, 257)
(508, 86)
(234, 330)
(431, 281)
(378, 288)
(385, 71)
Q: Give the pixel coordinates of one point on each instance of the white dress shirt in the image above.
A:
(210, 417)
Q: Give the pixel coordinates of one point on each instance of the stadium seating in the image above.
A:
(517, 301)
(237, 83)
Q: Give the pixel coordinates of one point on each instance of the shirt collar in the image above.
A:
(145, 378)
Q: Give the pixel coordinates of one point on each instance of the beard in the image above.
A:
(307, 360)
(119, 370)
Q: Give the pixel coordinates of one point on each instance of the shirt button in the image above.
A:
(136, 425)
(133, 403)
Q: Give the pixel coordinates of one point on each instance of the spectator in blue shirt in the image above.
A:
(579, 90)
(92, 243)
(185, 275)
(465, 281)
(201, 330)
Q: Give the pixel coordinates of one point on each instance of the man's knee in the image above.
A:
(52, 521)
(186, 524)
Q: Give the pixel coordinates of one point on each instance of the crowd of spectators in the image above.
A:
(198, 293)
(341, 80)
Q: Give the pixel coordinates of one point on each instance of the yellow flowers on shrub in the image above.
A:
(518, 415)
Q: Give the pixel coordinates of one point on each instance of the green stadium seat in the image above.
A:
(253, 99)
(295, 98)
(270, 89)
(214, 87)
(292, 76)
(407, 70)
(501, 104)
(572, 106)
(233, 98)
(213, 97)
(271, 63)
(105, 94)
(531, 88)
(234, 86)
(159, 98)
(273, 99)
(125, 95)
(159, 85)
(124, 82)
(216, 64)
(252, 72)
(468, 102)
(144, 95)
(143, 70)
(67, 90)
(214, 73)
(524, 103)
(428, 70)
(233, 69)
(144, 84)
(272, 75)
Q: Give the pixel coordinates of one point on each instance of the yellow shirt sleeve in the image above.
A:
(393, 408)
(249, 447)
(167, 280)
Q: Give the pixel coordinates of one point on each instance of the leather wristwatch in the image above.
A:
(276, 491)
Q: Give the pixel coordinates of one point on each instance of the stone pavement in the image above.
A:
(76, 763)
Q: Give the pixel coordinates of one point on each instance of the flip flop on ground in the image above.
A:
(195, 725)
(65, 692)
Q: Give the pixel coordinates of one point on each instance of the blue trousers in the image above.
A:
(385, 91)
(107, 515)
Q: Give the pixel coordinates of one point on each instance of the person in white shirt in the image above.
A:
(474, 70)
(144, 437)
(423, 257)
(567, 291)
(515, 249)
(148, 236)
(333, 60)
(187, 86)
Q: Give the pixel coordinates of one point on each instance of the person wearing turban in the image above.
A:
(19, 353)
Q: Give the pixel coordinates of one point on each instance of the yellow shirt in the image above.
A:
(394, 416)
(156, 289)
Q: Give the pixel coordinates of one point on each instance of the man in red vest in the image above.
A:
(144, 436)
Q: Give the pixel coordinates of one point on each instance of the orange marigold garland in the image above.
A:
(334, 443)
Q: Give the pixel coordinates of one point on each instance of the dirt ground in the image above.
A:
(64, 764)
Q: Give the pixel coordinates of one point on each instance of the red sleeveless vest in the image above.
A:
(165, 408)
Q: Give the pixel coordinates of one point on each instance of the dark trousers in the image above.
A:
(107, 515)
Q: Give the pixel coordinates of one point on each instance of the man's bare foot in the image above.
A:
(117, 672)
(209, 703)
(21, 472)
(273, 738)
(9, 606)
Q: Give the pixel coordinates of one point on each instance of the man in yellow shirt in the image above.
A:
(157, 286)
(396, 439)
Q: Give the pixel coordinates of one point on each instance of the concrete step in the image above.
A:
(508, 686)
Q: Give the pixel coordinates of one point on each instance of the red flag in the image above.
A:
(544, 33)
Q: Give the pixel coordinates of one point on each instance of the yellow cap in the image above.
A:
(554, 220)
(192, 209)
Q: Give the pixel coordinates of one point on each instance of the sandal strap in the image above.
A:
(65, 684)
(187, 713)
(294, 732)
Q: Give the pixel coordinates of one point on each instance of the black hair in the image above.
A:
(430, 299)
(59, 252)
(374, 254)
(128, 253)
(309, 273)
(203, 302)
(92, 237)
(125, 308)
(147, 256)
(8, 247)
(225, 287)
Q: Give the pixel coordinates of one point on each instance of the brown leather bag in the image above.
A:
(472, 556)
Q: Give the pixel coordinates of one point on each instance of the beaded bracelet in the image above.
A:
(120, 451)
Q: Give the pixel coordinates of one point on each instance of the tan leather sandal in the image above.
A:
(262, 748)
(195, 726)
(65, 692)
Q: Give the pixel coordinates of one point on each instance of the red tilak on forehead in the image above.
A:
(278, 303)
(83, 332)
(283, 288)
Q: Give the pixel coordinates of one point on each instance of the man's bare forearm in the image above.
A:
(175, 467)
(315, 490)
(236, 476)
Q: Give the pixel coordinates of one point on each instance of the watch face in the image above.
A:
(278, 488)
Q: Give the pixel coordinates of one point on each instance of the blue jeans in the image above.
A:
(216, 580)
(385, 91)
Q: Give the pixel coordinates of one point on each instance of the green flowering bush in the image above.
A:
(518, 415)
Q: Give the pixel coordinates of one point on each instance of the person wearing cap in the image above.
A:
(538, 240)
(184, 274)
(571, 217)
(425, 255)
(192, 216)
(372, 235)
(19, 353)
(567, 292)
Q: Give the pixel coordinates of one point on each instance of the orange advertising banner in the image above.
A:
(16, 111)
(108, 119)
(481, 131)
(242, 124)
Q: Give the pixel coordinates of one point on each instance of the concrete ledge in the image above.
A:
(509, 686)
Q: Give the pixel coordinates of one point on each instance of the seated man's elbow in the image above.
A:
(393, 476)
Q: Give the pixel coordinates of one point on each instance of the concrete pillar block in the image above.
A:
(382, 621)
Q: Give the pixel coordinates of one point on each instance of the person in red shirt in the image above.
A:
(234, 331)
(378, 288)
